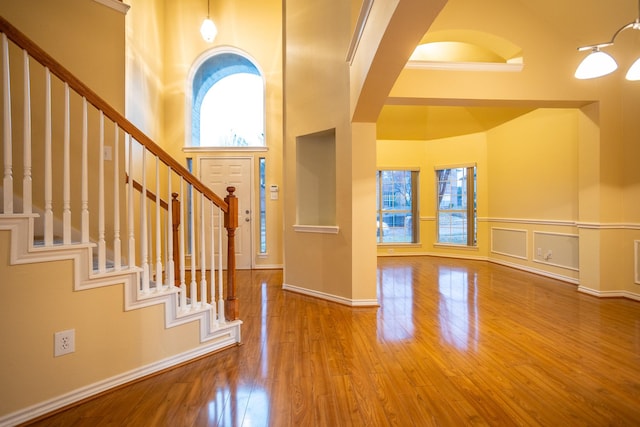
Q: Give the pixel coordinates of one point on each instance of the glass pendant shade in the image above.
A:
(634, 71)
(208, 30)
(596, 64)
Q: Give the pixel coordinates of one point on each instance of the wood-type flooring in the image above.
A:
(453, 343)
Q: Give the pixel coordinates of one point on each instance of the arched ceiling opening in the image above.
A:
(460, 50)
(466, 49)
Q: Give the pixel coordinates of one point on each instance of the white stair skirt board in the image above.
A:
(214, 334)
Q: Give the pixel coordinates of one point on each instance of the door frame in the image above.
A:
(251, 159)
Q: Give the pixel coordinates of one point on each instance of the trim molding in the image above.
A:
(332, 298)
(268, 267)
(608, 225)
(609, 294)
(101, 386)
(537, 271)
(586, 225)
(493, 260)
(363, 17)
(465, 66)
(321, 229)
(529, 221)
(115, 5)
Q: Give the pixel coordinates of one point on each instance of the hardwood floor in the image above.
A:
(454, 343)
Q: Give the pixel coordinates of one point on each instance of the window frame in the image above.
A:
(413, 210)
(189, 99)
(470, 211)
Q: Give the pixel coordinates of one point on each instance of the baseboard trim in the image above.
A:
(332, 298)
(90, 391)
(495, 261)
(537, 271)
(609, 294)
(268, 267)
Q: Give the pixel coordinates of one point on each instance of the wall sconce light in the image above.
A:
(208, 28)
(599, 63)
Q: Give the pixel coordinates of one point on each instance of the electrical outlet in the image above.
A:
(539, 252)
(64, 342)
(107, 153)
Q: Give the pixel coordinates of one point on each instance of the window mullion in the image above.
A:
(470, 207)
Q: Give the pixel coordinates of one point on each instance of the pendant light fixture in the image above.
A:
(208, 28)
(599, 63)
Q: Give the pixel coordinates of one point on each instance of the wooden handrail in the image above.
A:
(150, 195)
(65, 75)
(230, 203)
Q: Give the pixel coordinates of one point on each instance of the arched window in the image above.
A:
(227, 107)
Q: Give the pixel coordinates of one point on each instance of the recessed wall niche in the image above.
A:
(316, 178)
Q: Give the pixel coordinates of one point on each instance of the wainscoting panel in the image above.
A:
(509, 242)
(557, 249)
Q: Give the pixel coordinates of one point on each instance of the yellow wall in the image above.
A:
(607, 124)
(164, 43)
(533, 167)
(37, 302)
(317, 99)
(526, 180)
(85, 36)
(427, 156)
(145, 66)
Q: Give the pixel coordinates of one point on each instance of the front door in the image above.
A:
(218, 174)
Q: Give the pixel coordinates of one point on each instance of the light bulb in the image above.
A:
(634, 71)
(208, 30)
(596, 64)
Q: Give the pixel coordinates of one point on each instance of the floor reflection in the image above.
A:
(458, 307)
(395, 293)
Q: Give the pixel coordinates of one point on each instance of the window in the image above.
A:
(227, 102)
(263, 205)
(397, 206)
(456, 205)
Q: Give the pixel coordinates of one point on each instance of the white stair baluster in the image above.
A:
(66, 174)
(183, 285)
(170, 263)
(85, 173)
(130, 207)
(221, 318)
(150, 236)
(203, 266)
(48, 163)
(117, 246)
(27, 180)
(102, 245)
(193, 285)
(158, 230)
(144, 242)
(7, 181)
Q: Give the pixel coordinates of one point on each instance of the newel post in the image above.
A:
(231, 223)
(175, 217)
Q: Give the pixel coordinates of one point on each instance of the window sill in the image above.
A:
(399, 245)
(455, 246)
(322, 229)
(224, 149)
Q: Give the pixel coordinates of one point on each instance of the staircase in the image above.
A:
(81, 183)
